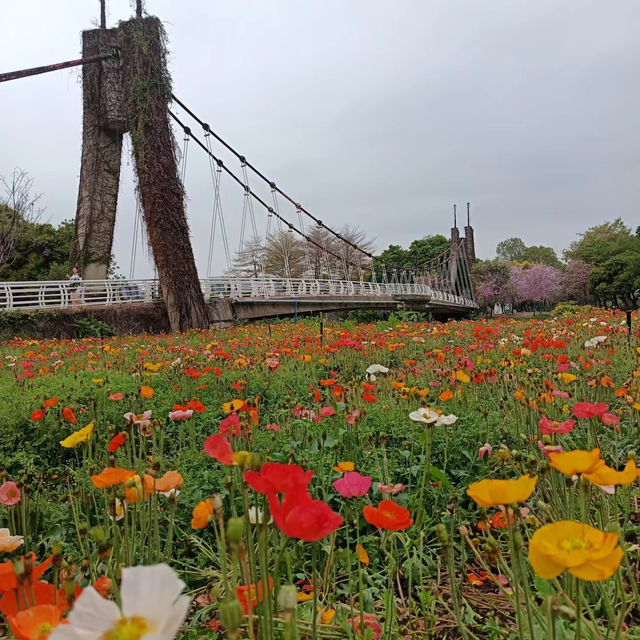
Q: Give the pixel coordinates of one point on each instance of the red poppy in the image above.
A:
(117, 441)
(368, 386)
(369, 397)
(195, 405)
(327, 382)
(68, 414)
(50, 402)
(300, 516)
(388, 515)
(218, 447)
(38, 414)
(275, 478)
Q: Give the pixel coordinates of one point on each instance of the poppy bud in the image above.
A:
(235, 528)
(442, 534)
(631, 455)
(231, 616)
(288, 598)
(20, 569)
(83, 528)
(97, 534)
(216, 502)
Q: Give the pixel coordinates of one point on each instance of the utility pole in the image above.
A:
(138, 8)
(103, 14)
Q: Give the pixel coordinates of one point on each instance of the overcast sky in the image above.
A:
(376, 113)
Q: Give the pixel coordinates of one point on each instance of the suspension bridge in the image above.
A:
(291, 261)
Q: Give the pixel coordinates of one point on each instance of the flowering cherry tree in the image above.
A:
(537, 284)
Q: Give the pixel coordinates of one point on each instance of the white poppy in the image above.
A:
(424, 415)
(450, 419)
(119, 508)
(256, 516)
(152, 605)
(377, 368)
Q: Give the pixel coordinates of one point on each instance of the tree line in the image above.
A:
(601, 267)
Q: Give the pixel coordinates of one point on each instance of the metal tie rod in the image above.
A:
(34, 71)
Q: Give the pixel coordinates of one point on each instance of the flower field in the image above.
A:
(474, 479)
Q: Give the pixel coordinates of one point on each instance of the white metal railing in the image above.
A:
(62, 293)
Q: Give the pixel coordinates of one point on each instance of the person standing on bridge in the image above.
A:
(75, 287)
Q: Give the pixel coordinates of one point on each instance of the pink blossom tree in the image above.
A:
(538, 284)
(576, 280)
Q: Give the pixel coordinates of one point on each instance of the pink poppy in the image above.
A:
(141, 419)
(353, 416)
(547, 448)
(352, 485)
(116, 397)
(327, 412)
(273, 427)
(9, 493)
(565, 366)
(180, 414)
(560, 394)
(390, 489)
(485, 450)
(230, 426)
(610, 419)
(588, 410)
(547, 427)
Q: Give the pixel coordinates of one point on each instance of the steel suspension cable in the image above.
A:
(221, 164)
(273, 185)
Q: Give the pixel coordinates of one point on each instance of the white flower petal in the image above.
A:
(150, 592)
(91, 617)
(173, 622)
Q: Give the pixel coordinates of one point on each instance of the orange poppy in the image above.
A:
(202, 514)
(51, 402)
(244, 592)
(327, 382)
(36, 623)
(111, 476)
(146, 392)
(170, 481)
(8, 579)
(446, 395)
(38, 414)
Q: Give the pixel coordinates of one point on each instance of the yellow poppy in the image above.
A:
(82, 435)
(341, 467)
(579, 461)
(606, 476)
(491, 493)
(362, 554)
(150, 366)
(234, 405)
(304, 597)
(97, 380)
(567, 377)
(586, 552)
(461, 376)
